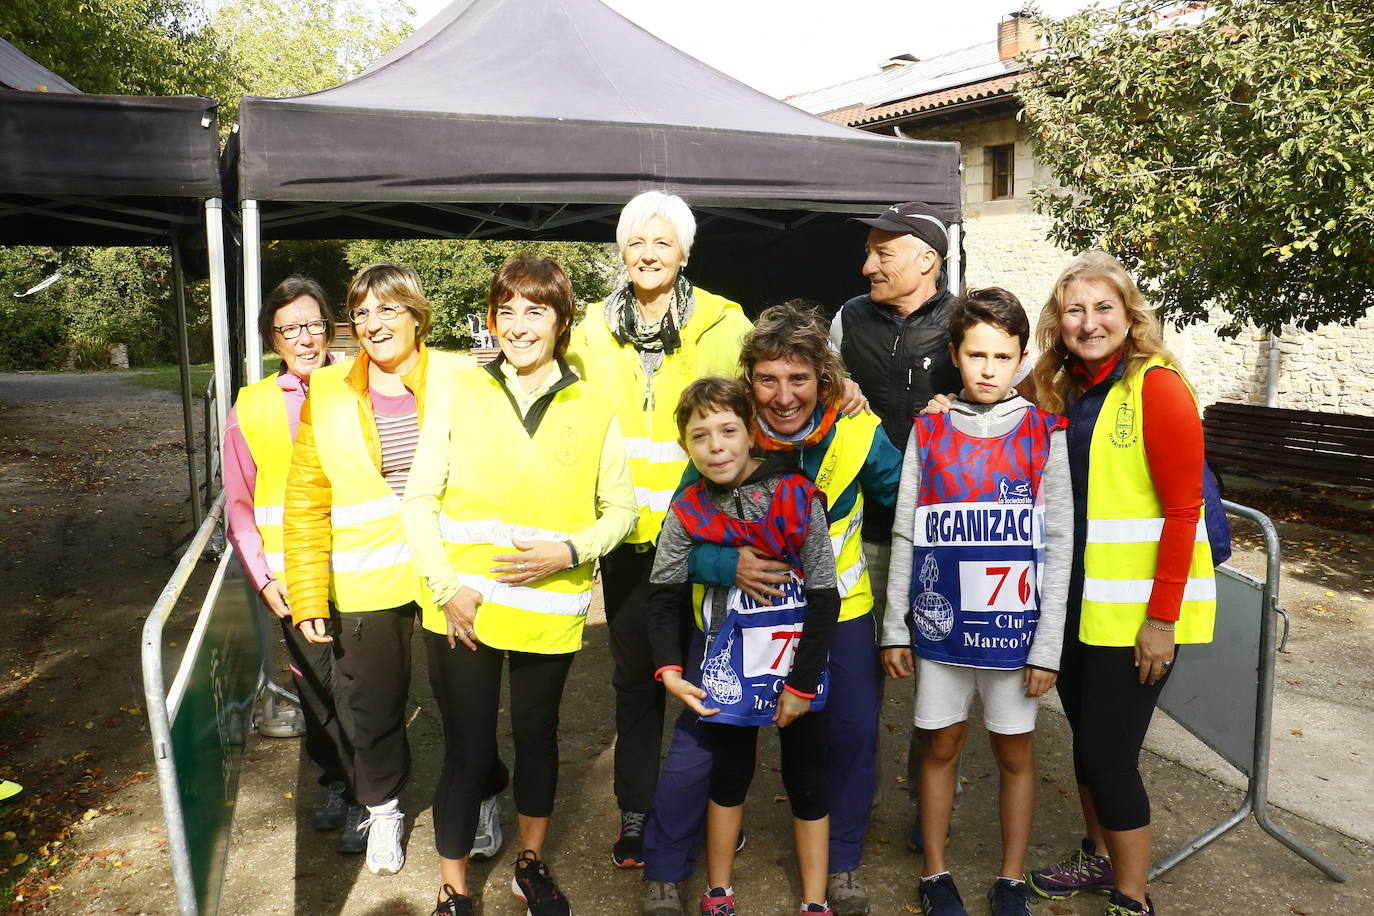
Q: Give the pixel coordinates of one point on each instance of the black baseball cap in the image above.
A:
(915, 218)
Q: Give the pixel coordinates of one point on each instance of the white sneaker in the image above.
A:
(488, 839)
(384, 853)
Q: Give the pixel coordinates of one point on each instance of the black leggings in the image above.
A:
(467, 686)
(804, 769)
(1109, 711)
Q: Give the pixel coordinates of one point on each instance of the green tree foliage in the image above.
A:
(457, 274)
(105, 296)
(1224, 155)
(291, 47)
(123, 47)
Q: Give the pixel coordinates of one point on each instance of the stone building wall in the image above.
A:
(1330, 369)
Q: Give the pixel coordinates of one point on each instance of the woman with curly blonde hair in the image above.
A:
(1141, 582)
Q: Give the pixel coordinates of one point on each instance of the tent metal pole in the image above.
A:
(219, 311)
(184, 361)
(252, 288)
(954, 269)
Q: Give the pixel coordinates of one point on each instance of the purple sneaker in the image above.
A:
(1081, 870)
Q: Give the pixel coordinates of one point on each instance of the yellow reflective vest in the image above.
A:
(710, 346)
(369, 561)
(506, 484)
(844, 459)
(267, 431)
(1124, 523)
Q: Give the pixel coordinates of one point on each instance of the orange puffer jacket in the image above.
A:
(309, 497)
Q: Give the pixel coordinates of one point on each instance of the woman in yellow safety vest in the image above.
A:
(348, 568)
(1142, 580)
(519, 485)
(295, 318)
(645, 343)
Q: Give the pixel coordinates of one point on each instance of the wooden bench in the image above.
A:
(1329, 447)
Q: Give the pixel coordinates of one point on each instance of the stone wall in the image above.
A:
(1330, 369)
(1327, 370)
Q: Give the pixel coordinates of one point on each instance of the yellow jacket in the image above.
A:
(308, 526)
(710, 346)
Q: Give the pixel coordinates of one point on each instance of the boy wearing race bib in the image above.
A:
(760, 664)
(981, 553)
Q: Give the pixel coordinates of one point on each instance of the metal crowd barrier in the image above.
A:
(199, 726)
(1224, 694)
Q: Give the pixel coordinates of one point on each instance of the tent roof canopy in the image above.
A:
(103, 170)
(19, 71)
(524, 118)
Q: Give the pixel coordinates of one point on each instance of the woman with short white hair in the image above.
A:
(646, 342)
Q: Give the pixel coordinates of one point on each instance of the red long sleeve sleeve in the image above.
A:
(1174, 450)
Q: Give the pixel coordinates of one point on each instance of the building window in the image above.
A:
(1001, 161)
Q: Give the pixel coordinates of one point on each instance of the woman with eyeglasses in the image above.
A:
(295, 318)
(344, 541)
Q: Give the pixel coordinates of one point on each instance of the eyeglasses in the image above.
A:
(384, 313)
(292, 331)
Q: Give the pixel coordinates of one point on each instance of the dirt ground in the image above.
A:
(92, 489)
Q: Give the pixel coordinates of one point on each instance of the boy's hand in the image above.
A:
(897, 663)
(790, 708)
(941, 403)
(852, 400)
(689, 694)
(758, 575)
(1038, 682)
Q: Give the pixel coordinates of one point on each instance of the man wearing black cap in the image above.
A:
(895, 339)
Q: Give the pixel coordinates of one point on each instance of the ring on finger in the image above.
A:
(520, 566)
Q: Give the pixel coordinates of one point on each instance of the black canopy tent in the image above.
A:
(538, 119)
(81, 169)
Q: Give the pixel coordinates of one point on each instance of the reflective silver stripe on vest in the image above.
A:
(1138, 591)
(368, 560)
(656, 452)
(541, 601)
(361, 513)
(653, 500)
(1132, 530)
(493, 531)
(276, 562)
(850, 577)
(268, 515)
(837, 542)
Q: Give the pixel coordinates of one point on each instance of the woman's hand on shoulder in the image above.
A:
(790, 708)
(852, 400)
(941, 403)
(536, 560)
(687, 692)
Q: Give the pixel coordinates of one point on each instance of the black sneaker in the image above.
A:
(534, 886)
(1118, 904)
(332, 810)
(1009, 898)
(353, 840)
(628, 850)
(939, 897)
(453, 904)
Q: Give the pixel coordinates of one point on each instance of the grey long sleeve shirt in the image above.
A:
(989, 421)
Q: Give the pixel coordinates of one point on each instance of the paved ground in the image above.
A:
(91, 477)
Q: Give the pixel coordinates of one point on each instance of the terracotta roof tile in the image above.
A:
(856, 115)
